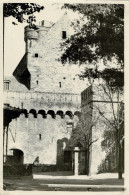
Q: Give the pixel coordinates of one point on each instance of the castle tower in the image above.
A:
(40, 68)
(51, 103)
(32, 35)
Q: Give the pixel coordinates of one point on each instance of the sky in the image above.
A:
(14, 45)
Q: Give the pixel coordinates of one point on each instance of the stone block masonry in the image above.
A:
(40, 137)
(98, 109)
(49, 96)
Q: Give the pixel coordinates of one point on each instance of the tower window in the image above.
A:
(36, 55)
(60, 84)
(63, 34)
(39, 136)
(42, 23)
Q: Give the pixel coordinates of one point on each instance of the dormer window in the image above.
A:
(36, 55)
(6, 84)
(64, 35)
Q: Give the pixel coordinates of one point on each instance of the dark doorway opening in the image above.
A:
(18, 156)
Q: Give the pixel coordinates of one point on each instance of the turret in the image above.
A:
(31, 35)
(43, 28)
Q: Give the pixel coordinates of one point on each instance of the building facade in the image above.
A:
(101, 110)
(48, 96)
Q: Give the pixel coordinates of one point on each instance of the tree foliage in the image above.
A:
(113, 142)
(81, 134)
(19, 10)
(102, 36)
(113, 77)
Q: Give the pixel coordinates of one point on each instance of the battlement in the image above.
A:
(41, 29)
(43, 99)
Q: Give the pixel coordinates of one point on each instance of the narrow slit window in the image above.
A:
(40, 136)
(60, 84)
(64, 35)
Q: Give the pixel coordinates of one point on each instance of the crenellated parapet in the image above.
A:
(32, 35)
(46, 101)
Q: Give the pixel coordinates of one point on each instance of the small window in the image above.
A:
(37, 82)
(42, 23)
(69, 126)
(39, 136)
(60, 84)
(36, 55)
(22, 105)
(63, 34)
(30, 43)
(6, 85)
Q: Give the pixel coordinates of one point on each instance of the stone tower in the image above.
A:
(50, 100)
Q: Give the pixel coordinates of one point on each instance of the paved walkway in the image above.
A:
(57, 182)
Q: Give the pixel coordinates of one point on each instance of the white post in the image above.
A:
(76, 164)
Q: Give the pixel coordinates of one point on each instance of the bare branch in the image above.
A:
(93, 141)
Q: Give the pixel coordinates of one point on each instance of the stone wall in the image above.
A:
(51, 105)
(98, 110)
(47, 74)
(43, 101)
(41, 137)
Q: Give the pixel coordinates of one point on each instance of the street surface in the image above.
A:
(64, 183)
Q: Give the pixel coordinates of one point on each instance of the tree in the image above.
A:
(100, 37)
(20, 10)
(113, 143)
(82, 135)
(113, 118)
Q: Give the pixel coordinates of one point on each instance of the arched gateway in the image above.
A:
(18, 156)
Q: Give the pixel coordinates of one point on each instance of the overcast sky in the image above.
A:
(14, 36)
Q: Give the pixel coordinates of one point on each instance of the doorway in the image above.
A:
(18, 156)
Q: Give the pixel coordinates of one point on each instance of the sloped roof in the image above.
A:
(21, 66)
(15, 85)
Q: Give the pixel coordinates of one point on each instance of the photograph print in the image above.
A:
(63, 112)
